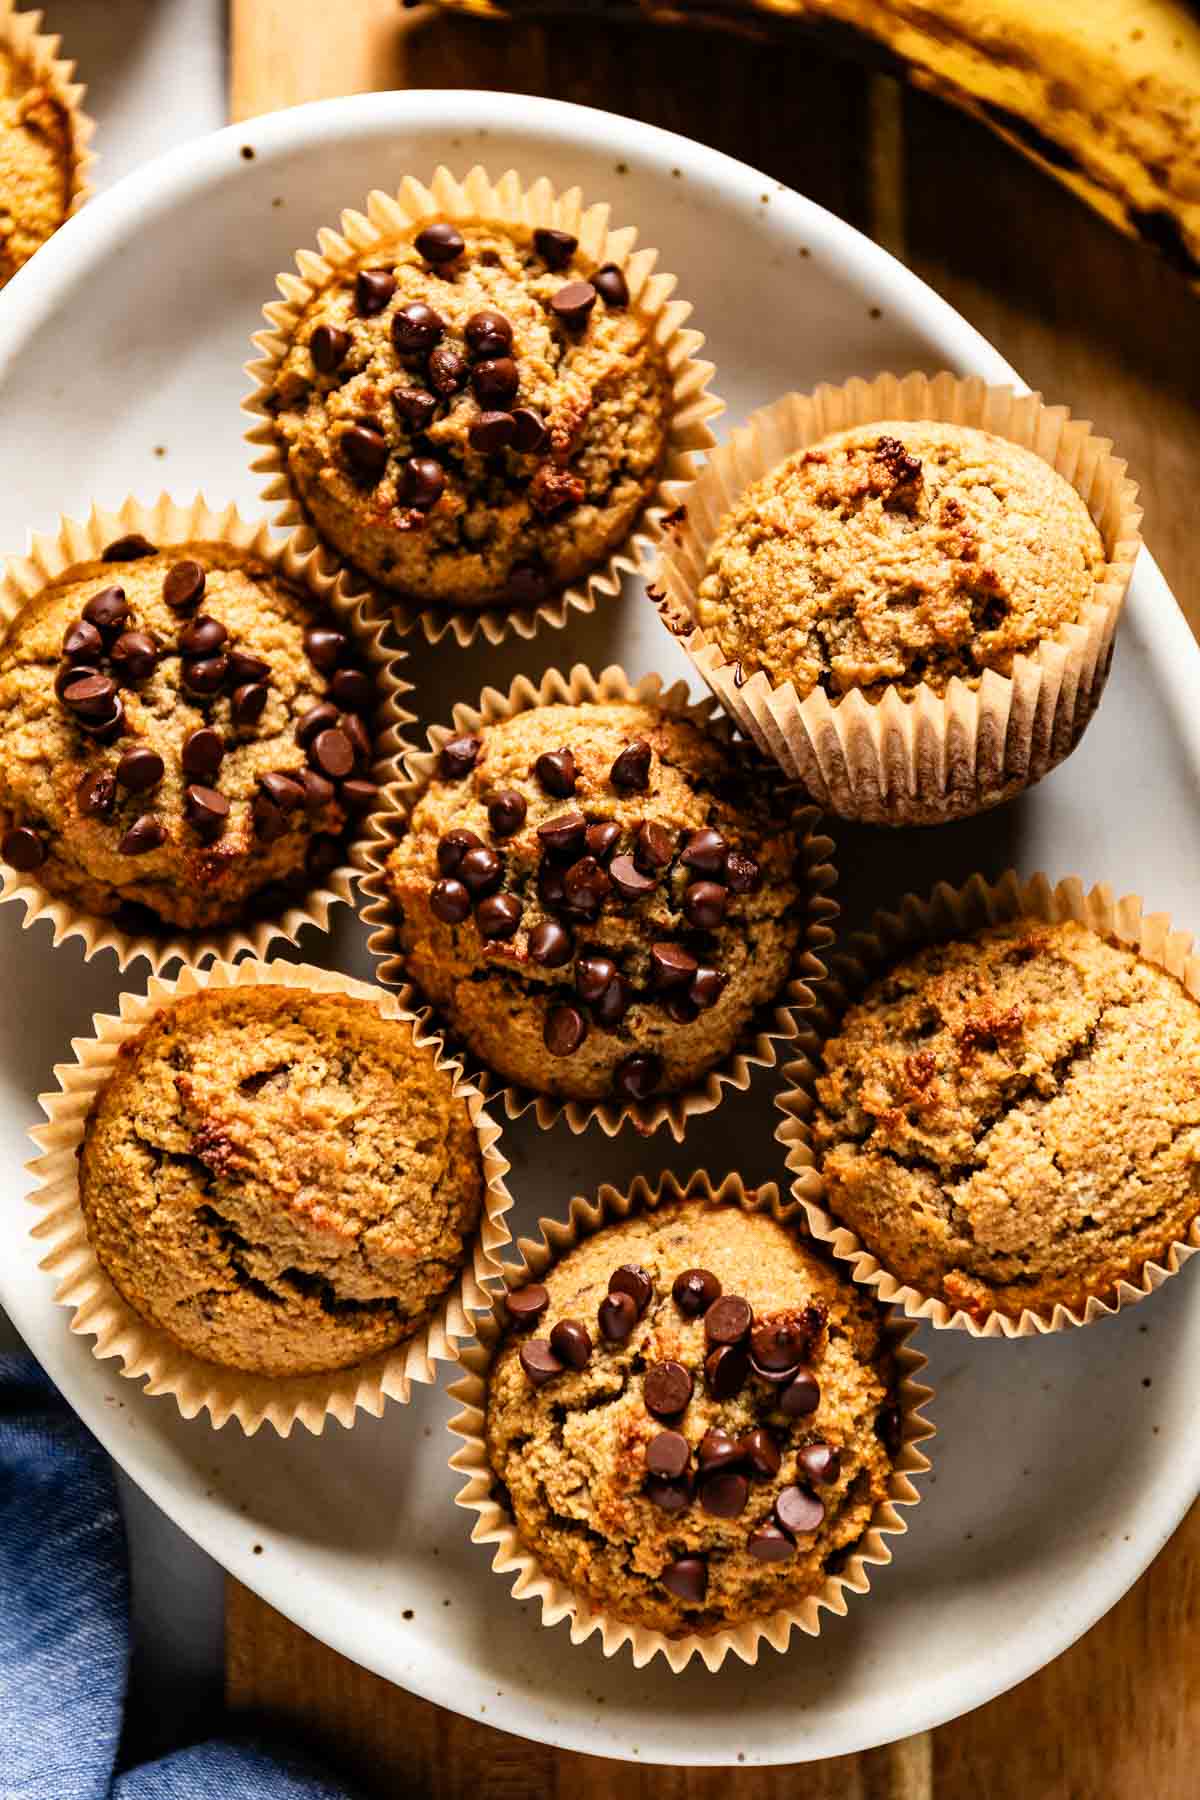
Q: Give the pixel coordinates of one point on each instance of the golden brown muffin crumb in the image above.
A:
(36, 165)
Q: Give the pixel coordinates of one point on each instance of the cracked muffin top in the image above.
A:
(598, 897)
(282, 1181)
(474, 418)
(37, 164)
(1013, 1120)
(692, 1418)
(904, 553)
(180, 730)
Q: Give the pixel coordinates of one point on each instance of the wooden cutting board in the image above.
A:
(1093, 320)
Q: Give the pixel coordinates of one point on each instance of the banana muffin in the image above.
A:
(599, 898)
(692, 1418)
(282, 1181)
(898, 553)
(180, 730)
(474, 418)
(37, 163)
(1012, 1120)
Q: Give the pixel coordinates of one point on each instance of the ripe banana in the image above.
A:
(1104, 94)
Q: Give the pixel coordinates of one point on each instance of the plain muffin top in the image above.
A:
(36, 164)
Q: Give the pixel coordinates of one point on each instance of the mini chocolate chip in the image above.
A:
(651, 847)
(498, 916)
(718, 1451)
(373, 288)
(107, 610)
(323, 855)
(415, 406)
(592, 976)
(769, 1544)
(725, 1495)
(668, 1454)
(556, 248)
(638, 1076)
(539, 1362)
(488, 333)
(333, 753)
(694, 1291)
(704, 905)
(585, 885)
(673, 1496)
(145, 834)
(671, 965)
(69, 672)
(22, 849)
(440, 242)
(183, 585)
(761, 1453)
(447, 370)
(628, 879)
(491, 432)
(530, 436)
(778, 1344)
(705, 851)
(687, 1579)
(366, 452)
(129, 549)
(91, 696)
(328, 346)
(611, 285)
(707, 987)
(617, 1315)
(206, 810)
(614, 1003)
(725, 1371)
(820, 1462)
(324, 647)
(571, 1341)
(528, 584)
(449, 901)
(555, 769)
(495, 382)
(802, 1396)
(318, 718)
(245, 668)
(249, 703)
(359, 736)
(416, 328)
(506, 812)
(526, 1304)
(601, 839)
(135, 655)
(563, 835)
(573, 303)
(206, 675)
(631, 770)
(203, 752)
(742, 873)
(202, 636)
(480, 871)
(139, 770)
(424, 482)
(633, 1280)
(82, 642)
(96, 794)
(667, 1388)
(565, 1030)
(798, 1512)
(728, 1320)
(551, 945)
(318, 792)
(352, 690)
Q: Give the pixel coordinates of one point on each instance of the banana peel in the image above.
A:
(1103, 94)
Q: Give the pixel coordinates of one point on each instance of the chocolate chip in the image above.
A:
(488, 333)
(651, 847)
(761, 1453)
(206, 675)
(631, 770)
(778, 1344)
(366, 452)
(107, 611)
(96, 794)
(601, 839)
(203, 752)
(725, 1371)
(269, 822)
(671, 966)
(359, 736)
(798, 1512)
(144, 835)
(728, 1320)
(725, 1495)
(668, 1454)
(571, 1341)
(679, 1009)
(611, 285)
(481, 871)
(539, 1362)
(563, 835)
(424, 482)
(139, 770)
(565, 1030)
(585, 885)
(528, 584)
(550, 883)
(105, 729)
(705, 851)
(573, 303)
(694, 1291)
(206, 810)
(742, 873)
(820, 1462)
(614, 1003)
(318, 792)
(550, 945)
(592, 976)
(352, 690)
(22, 849)
(530, 435)
(440, 242)
(617, 1315)
(491, 432)
(416, 328)
(498, 916)
(673, 1496)
(633, 1280)
(323, 855)
(667, 1388)
(447, 370)
(526, 1304)
(284, 791)
(91, 696)
(318, 718)
(450, 902)
(129, 549)
(245, 668)
(82, 642)
(717, 1451)
(495, 382)
(638, 1076)
(453, 846)
(183, 586)
(802, 1396)
(373, 288)
(333, 753)
(889, 1428)
(135, 655)
(328, 346)
(70, 672)
(556, 248)
(203, 636)
(324, 647)
(628, 879)
(769, 1544)
(248, 703)
(687, 1579)
(506, 812)
(707, 987)
(415, 406)
(704, 905)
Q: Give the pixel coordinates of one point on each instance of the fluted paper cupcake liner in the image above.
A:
(777, 1022)
(924, 757)
(49, 559)
(494, 1523)
(22, 37)
(148, 1353)
(477, 200)
(954, 913)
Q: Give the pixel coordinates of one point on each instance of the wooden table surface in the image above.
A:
(1093, 320)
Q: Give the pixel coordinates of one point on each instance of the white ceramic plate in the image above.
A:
(1063, 1464)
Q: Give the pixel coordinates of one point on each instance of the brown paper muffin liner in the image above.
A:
(953, 913)
(21, 36)
(778, 1021)
(927, 757)
(494, 1524)
(48, 559)
(476, 199)
(147, 1352)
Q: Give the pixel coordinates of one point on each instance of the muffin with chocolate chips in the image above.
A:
(601, 898)
(39, 154)
(181, 730)
(283, 1181)
(472, 415)
(692, 1419)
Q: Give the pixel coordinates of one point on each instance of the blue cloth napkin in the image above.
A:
(64, 1629)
